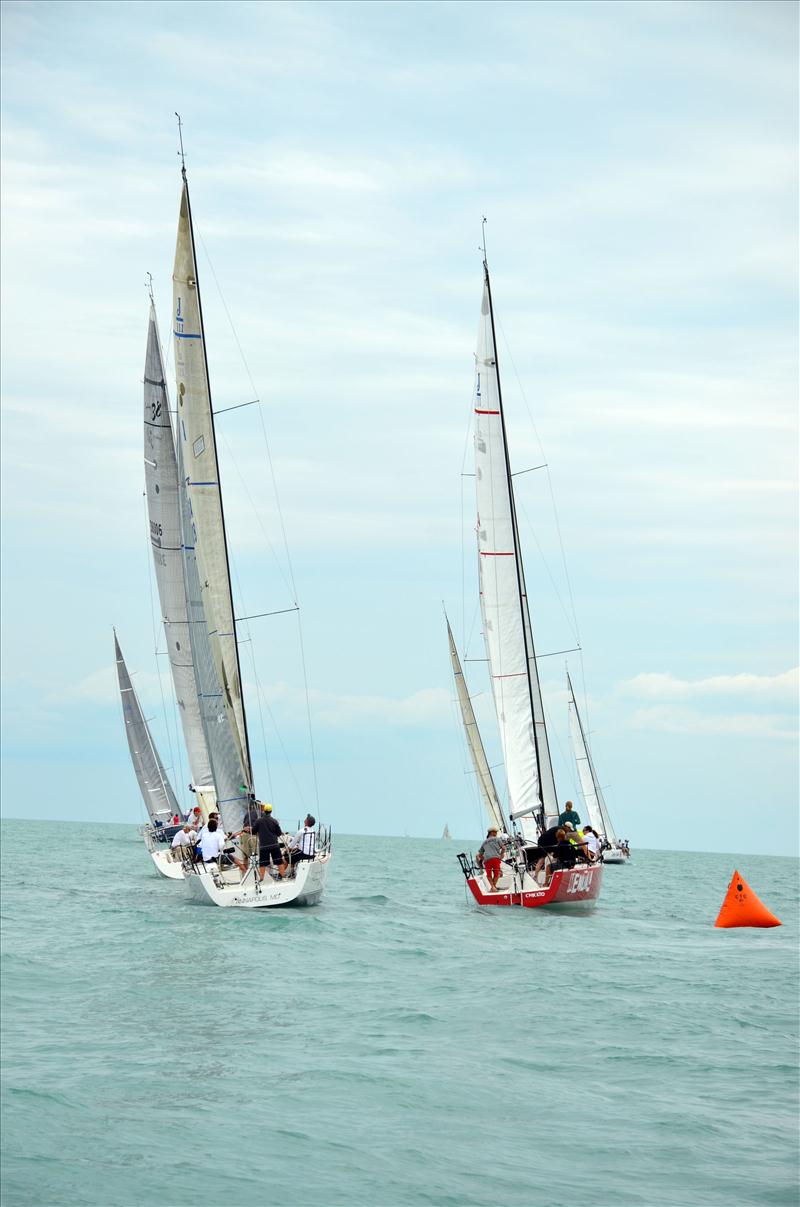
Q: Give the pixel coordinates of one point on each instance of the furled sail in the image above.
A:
(156, 790)
(224, 752)
(478, 754)
(196, 430)
(504, 603)
(590, 788)
(163, 508)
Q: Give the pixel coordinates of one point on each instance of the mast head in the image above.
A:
(181, 152)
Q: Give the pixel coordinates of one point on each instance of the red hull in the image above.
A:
(571, 886)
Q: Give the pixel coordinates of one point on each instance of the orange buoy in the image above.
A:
(742, 907)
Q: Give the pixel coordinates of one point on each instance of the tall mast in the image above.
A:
(249, 767)
(526, 631)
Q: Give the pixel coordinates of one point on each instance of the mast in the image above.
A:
(507, 623)
(205, 490)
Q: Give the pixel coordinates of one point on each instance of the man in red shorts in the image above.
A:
(489, 856)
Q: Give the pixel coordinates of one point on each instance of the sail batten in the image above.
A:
(590, 787)
(163, 510)
(201, 470)
(159, 799)
(504, 602)
(477, 752)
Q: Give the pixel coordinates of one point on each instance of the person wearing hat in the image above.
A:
(268, 830)
(195, 817)
(490, 855)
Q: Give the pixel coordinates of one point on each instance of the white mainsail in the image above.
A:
(156, 790)
(163, 509)
(504, 603)
(477, 753)
(201, 468)
(590, 787)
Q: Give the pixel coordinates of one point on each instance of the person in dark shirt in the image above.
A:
(268, 829)
(535, 856)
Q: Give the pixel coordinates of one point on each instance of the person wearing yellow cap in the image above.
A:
(269, 831)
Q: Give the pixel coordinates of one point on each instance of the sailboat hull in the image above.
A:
(579, 886)
(207, 886)
(615, 855)
(165, 865)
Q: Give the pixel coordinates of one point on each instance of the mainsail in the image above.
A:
(504, 601)
(156, 790)
(201, 469)
(590, 788)
(478, 754)
(163, 508)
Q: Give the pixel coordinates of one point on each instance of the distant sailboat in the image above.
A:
(508, 636)
(596, 807)
(446, 831)
(159, 799)
(190, 552)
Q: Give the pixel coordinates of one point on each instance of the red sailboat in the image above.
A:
(508, 635)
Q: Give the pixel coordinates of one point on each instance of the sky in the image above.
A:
(637, 167)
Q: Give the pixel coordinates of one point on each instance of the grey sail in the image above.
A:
(226, 767)
(163, 507)
(196, 433)
(590, 788)
(156, 790)
(480, 763)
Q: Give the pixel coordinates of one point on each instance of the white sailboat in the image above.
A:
(190, 551)
(446, 832)
(508, 637)
(599, 817)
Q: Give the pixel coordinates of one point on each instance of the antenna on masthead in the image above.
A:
(180, 136)
(149, 286)
(483, 238)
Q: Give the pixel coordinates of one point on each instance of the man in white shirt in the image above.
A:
(211, 842)
(182, 838)
(303, 846)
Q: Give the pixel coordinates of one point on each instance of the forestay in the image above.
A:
(156, 790)
(163, 509)
(477, 753)
(590, 788)
(196, 430)
(504, 605)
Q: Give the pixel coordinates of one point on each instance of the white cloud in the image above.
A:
(666, 686)
(667, 719)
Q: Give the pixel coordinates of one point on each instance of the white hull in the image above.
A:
(209, 886)
(615, 855)
(166, 865)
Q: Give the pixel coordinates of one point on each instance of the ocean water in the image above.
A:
(393, 1046)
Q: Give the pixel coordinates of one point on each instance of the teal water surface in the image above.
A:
(393, 1046)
